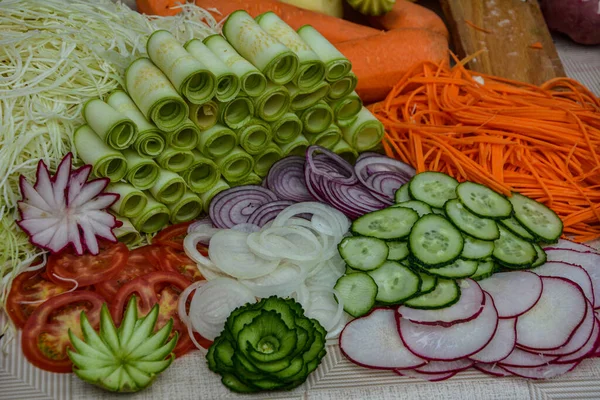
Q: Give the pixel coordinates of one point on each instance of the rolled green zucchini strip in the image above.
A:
(311, 70)
(106, 161)
(273, 103)
(142, 172)
(251, 80)
(169, 187)
(175, 160)
(296, 147)
(316, 118)
(190, 77)
(346, 108)
(342, 87)
(154, 95)
(185, 137)
(365, 133)
(114, 128)
(217, 141)
(254, 136)
(286, 129)
(344, 150)
(235, 165)
(202, 174)
(236, 113)
(127, 233)
(207, 196)
(149, 141)
(153, 217)
(226, 81)
(205, 116)
(250, 179)
(302, 99)
(336, 64)
(271, 57)
(186, 209)
(131, 200)
(266, 158)
(328, 138)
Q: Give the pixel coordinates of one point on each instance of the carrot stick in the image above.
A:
(406, 14)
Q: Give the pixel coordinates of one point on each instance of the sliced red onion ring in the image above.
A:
(383, 185)
(382, 175)
(235, 206)
(267, 212)
(344, 170)
(286, 179)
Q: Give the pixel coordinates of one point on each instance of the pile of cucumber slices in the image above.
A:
(438, 231)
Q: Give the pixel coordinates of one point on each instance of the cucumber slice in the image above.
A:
(358, 291)
(515, 227)
(458, 269)
(541, 255)
(537, 218)
(445, 293)
(434, 241)
(512, 251)
(475, 249)
(420, 207)
(438, 211)
(485, 269)
(469, 223)
(402, 194)
(483, 201)
(389, 223)
(433, 188)
(363, 253)
(428, 283)
(395, 282)
(398, 251)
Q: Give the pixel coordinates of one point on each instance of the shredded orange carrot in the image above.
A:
(476, 27)
(542, 141)
(536, 45)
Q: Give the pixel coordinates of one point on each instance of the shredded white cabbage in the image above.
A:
(55, 55)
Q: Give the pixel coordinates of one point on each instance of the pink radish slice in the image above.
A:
(491, 369)
(373, 341)
(543, 372)
(501, 345)
(564, 244)
(411, 373)
(587, 350)
(442, 367)
(587, 260)
(521, 358)
(555, 317)
(450, 343)
(514, 292)
(572, 272)
(466, 308)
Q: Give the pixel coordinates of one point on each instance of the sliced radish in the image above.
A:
(467, 308)
(564, 244)
(572, 272)
(491, 369)
(372, 341)
(525, 359)
(587, 260)
(411, 373)
(443, 367)
(454, 342)
(501, 345)
(580, 337)
(543, 372)
(514, 292)
(555, 317)
(587, 350)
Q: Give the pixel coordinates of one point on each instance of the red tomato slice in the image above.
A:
(27, 292)
(172, 236)
(169, 259)
(164, 288)
(138, 264)
(88, 269)
(45, 334)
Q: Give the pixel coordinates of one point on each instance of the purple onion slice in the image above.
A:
(267, 212)
(286, 179)
(330, 165)
(235, 206)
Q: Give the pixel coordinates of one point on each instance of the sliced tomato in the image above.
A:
(169, 259)
(88, 269)
(27, 292)
(162, 288)
(138, 264)
(45, 334)
(172, 236)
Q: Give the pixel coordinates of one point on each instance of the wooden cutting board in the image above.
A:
(508, 31)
